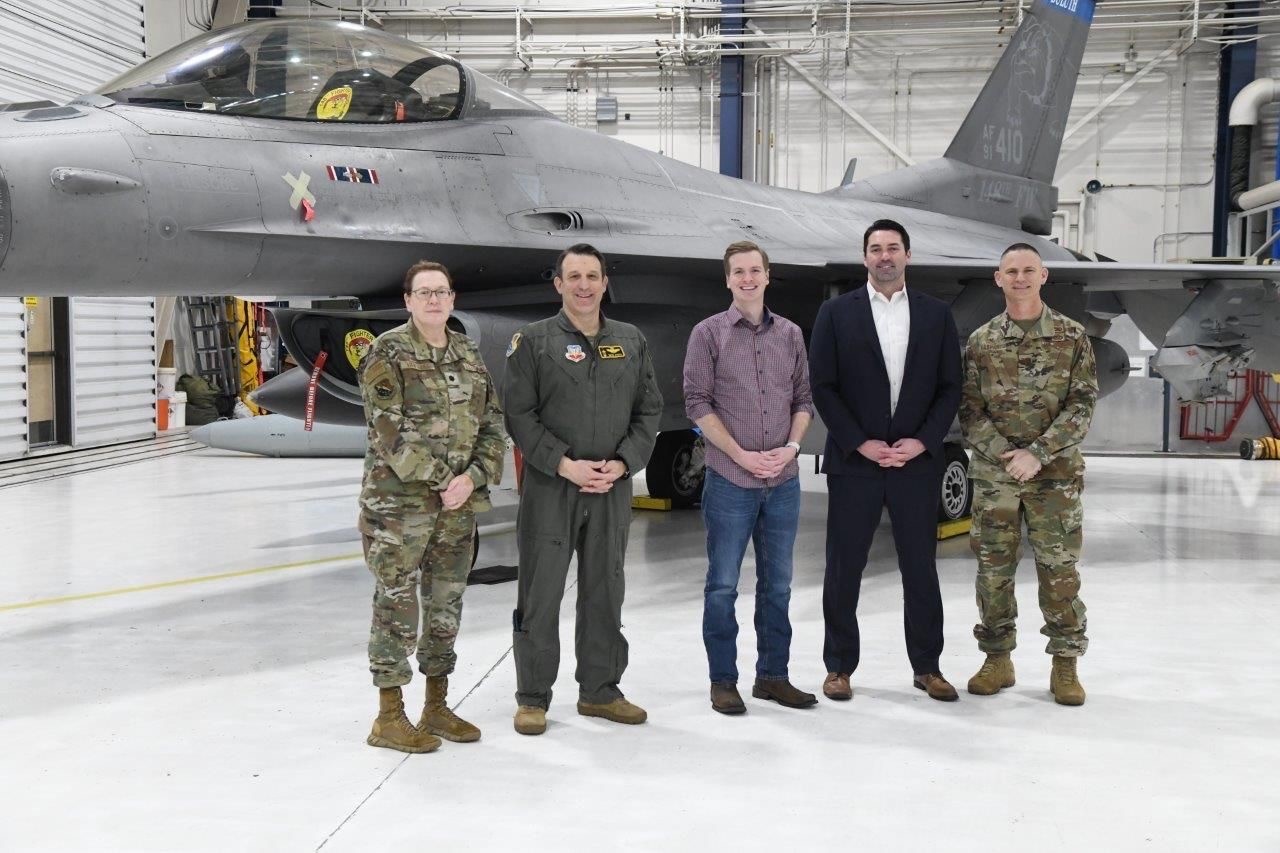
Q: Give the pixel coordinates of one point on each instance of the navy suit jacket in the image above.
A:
(851, 385)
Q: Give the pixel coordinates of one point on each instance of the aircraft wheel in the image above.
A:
(677, 467)
(957, 489)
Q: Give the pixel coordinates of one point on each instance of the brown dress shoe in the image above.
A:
(936, 686)
(726, 700)
(781, 691)
(836, 686)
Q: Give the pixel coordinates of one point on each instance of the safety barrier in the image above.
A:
(1214, 420)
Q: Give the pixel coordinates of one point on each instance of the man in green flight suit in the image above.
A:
(582, 404)
(435, 446)
(1030, 387)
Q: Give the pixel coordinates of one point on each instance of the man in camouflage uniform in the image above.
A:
(583, 407)
(435, 445)
(1030, 387)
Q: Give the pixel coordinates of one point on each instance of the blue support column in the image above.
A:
(1236, 70)
(731, 73)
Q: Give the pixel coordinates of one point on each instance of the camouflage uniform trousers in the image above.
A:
(427, 553)
(1052, 512)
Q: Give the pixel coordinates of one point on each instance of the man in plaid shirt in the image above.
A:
(746, 386)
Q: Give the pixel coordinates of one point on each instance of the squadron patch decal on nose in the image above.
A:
(356, 345)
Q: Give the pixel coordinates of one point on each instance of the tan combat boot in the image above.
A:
(392, 728)
(439, 720)
(531, 720)
(1063, 684)
(617, 711)
(996, 674)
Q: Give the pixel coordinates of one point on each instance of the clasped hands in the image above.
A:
(591, 476)
(765, 464)
(893, 455)
(456, 493)
(1021, 464)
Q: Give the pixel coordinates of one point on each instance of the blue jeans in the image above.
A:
(768, 517)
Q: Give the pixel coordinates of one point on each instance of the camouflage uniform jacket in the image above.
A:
(1033, 390)
(432, 414)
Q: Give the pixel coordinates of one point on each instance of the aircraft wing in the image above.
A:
(1207, 319)
(1092, 275)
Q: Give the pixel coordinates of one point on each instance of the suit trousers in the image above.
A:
(854, 506)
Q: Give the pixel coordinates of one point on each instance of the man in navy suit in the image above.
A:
(884, 363)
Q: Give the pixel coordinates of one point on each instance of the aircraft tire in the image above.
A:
(956, 499)
(676, 468)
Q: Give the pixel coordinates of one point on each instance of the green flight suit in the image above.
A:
(432, 414)
(566, 395)
(1034, 390)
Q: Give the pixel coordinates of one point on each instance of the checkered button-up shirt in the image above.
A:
(754, 378)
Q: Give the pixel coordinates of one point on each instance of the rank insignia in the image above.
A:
(610, 351)
(514, 345)
(574, 353)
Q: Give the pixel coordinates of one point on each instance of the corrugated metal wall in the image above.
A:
(113, 373)
(54, 51)
(13, 389)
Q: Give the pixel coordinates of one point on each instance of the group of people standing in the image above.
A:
(885, 372)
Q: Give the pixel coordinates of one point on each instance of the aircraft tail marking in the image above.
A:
(1015, 127)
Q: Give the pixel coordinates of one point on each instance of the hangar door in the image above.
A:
(13, 393)
(113, 369)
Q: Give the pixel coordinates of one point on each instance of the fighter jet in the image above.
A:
(308, 158)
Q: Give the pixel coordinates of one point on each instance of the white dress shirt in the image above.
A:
(893, 327)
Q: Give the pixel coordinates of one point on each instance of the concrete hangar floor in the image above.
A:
(183, 669)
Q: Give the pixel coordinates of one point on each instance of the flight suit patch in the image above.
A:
(611, 351)
(514, 345)
(574, 353)
(384, 390)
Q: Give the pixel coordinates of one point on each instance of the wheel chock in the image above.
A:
(951, 529)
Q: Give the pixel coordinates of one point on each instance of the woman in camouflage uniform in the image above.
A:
(435, 445)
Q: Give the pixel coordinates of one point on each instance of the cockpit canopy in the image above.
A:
(305, 70)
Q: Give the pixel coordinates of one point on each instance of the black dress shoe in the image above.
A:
(781, 691)
(725, 699)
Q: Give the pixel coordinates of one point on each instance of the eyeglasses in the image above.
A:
(442, 294)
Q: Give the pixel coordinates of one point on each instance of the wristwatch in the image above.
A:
(794, 444)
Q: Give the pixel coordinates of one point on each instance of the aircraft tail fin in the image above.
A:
(1015, 127)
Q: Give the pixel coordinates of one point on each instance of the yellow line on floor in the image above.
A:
(61, 599)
